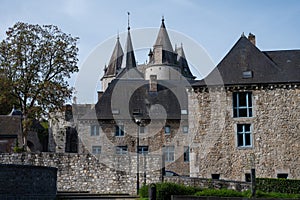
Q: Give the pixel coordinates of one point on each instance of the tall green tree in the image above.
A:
(35, 63)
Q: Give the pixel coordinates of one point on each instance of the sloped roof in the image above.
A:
(10, 125)
(182, 62)
(115, 62)
(163, 38)
(289, 62)
(129, 58)
(123, 97)
(264, 67)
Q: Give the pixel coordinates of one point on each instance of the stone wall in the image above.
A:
(154, 137)
(275, 133)
(84, 172)
(27, 182)
(209, 183)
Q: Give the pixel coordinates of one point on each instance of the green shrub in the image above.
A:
(165, 190)
(143, 191)
(261, 194)
(220, 193)
(278, 185)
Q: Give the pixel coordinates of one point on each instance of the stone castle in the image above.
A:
(244, 114)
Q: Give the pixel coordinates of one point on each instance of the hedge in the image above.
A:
(278, 185)
(166, 189)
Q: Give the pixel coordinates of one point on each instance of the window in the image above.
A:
(142, 129)
(121, 150)
(184, 112)
(248, 177)
(136, 111)
(244, 138)
(247, 74)
(119, 131)
(96, 149)
(167, 130)
(186, 154)
(215, 176)
(282, 175)
(185, 129)
(95, 130)
(115, 111)
(143, 150)
(242, 104)
(169, 153)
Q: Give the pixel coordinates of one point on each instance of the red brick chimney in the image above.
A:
(251, 38)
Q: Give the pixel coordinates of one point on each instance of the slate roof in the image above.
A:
(129, 68)
(10, 126)
(135, 93)
(163, 38)
(266, 67)
(115, 62)
(182, 62)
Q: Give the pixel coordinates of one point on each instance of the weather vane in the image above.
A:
(128, 13)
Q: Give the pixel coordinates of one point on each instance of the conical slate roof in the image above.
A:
(115, 62)
(163, 38)
(129, 59)
(129, 69)
(182, 62)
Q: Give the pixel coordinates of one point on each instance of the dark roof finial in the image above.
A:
(128, 28)
(118, 36)
(162, 18)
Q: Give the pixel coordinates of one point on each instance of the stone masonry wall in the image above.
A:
(209, 183)
(275, 134)
(84, 172)
(154, 137)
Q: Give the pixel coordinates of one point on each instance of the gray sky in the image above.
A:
(215, 25)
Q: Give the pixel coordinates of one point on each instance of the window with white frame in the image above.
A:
(169, 153)
(119, 130)
(242, 104)
(167, 130)
(96, 149)
(244, 136)
(121, 150)
(95, 130)
(186, 154)
(143, 150)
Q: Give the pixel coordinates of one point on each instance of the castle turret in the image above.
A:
(114, 66)
(129, 67)
(163, 60)
(182, 62)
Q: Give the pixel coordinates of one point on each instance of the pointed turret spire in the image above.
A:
(129, 59)
(163, 38)
(129, 63)
(182, 62)
(115, 62)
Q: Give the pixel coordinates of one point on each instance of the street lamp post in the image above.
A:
(138, 121)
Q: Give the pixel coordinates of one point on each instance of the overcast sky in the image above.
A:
(214, 24)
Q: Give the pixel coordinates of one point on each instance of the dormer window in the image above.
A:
(136, 111)
(184, 112)
(247, 74)
(115, 111)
